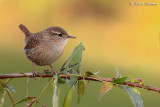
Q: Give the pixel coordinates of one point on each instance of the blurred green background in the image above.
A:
(114, 34)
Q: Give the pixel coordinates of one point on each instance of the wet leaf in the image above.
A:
(133, 93)
(120, 80)
(68, 98)
(105, 88)
(73, 79)
(136, 98)
(74, 60)
(74, 65)
(81, 87)
(25, 100)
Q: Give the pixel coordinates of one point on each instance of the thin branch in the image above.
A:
(31, 102)
(20, 75)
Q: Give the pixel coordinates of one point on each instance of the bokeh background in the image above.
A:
(114, 34)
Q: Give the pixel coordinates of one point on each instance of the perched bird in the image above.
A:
(44, 47)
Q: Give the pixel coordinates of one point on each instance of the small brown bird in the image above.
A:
(44, 47)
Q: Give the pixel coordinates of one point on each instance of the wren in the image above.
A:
(44, 47)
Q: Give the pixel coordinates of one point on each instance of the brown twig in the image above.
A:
(31, 102)
(20, 75)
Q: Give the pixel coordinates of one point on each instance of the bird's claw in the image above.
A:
(34, 74)
(53, 72)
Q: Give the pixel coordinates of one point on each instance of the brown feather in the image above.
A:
(25, 30)
(32, 43)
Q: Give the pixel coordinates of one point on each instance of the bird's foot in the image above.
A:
(34, 74)
(53, 72)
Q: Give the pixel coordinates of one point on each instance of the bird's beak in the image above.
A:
(70, 36)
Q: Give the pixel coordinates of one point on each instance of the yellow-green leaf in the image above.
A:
(81, 87)
(135, 90)
(68, 98)
(131, 78)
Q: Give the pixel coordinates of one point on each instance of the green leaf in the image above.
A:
(81, 87)
(136, 98)
(88, 73)
(105, 88)
(68, 98)
(47, 72)
(55, 94)
(3, 85)
(73, 79)
(25, 100)
(120, 80)
(61, 80)
(74, 65)
(133, 93)
(74, 60)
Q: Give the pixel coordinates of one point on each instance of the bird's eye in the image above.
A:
(60, 35)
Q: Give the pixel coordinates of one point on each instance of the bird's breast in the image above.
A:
(45, 54)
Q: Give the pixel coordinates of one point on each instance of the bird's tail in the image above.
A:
(25, 30)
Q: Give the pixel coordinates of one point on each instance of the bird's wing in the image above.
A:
(32, 42)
